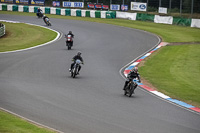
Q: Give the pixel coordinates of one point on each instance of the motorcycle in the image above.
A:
(131, 86)
(75, 68)
(47, 21)
(69, 41)
(40, 14)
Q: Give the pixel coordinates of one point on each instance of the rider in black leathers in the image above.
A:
(39, 11)
(70, 33)
(78, 56)
(132, 75)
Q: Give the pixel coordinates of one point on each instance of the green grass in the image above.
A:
(14, 124)
(169, 33)
(175, 71)
(21, 36)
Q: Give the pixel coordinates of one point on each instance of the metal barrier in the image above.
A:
(2, 29)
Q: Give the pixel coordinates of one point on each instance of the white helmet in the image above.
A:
(135, 69)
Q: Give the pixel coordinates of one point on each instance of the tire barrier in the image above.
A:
(104, 14)
(2, 29)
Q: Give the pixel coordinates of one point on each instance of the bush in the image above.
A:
(152, 9)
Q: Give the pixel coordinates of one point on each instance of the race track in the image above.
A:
(36, 83)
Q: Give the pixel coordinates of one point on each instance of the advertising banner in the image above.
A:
(90, 6)
(56, 3)
(73, 4)
(98, 6)
(162, 10)
(25, 2)
(105, 7)
(67, 4)
(124, 7)
(78, 4)
(115, 7)
(7, 1)
(138, 6)
(37, 2)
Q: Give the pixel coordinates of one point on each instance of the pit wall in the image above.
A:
(104, 14)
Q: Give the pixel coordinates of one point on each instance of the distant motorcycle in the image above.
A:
(40, 14)
(75, 68)
(47, 21)
(131, 86)
(69, 41)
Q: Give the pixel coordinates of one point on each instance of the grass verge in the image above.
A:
(14, 124)
(175, 71)
(21, 36)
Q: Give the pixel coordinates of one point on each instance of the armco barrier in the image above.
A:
(2, 29)
(78, 13)
(97, 14)
(58, 11)
(26, 9)
(47, 10)
(4, 7)
(67, 12)
(163, 19)
(145, 17)
(182, 21)
(83, 13)
(87, 14)
(104, 14)
(195, 23)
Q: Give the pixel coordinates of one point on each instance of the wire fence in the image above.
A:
(188, 8)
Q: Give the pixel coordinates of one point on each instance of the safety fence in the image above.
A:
(2, 29)
(104, 14)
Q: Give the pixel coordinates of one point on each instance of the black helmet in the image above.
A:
(70, 32)
(79, 53)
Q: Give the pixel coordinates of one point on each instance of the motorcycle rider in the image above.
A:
(45, 18)
(70, 33)
(78, 56)
(39, 11)
(132, 75)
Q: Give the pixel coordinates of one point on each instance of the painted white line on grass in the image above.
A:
(57, 37)
(35, 123)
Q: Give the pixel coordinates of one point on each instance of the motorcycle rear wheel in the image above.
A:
(130, 90)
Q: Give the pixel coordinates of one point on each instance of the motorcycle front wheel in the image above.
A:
(130, 90)
(74, 72)
(68, 46)
(125, 92)
(71, 73)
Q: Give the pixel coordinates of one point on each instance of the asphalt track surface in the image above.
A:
(36, 83)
